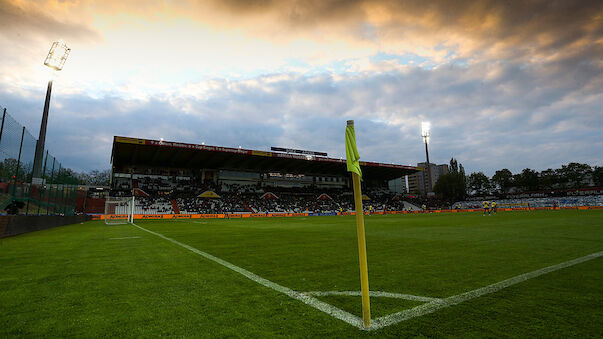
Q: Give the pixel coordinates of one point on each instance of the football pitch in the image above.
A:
(514, 274)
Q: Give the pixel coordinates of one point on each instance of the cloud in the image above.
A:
(505, 84)
(488, 116)
(528, 31)
(27, 20)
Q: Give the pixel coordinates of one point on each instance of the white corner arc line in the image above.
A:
(306, 299)
(374, 294)
(459, 298)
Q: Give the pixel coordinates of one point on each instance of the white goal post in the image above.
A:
(119, 210)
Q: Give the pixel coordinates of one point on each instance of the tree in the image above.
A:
(451, 186)
(8, 169)
(575, 173)
(99, 178)
(548, 179)
(527, 180)
(66, 176)
(463, 177)
(503, 179)
(598, 176)
(478, 183)
(454, 167)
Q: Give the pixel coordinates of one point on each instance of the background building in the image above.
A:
(416, 182)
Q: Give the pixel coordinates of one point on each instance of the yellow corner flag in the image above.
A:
(351, 153)
(352, 159)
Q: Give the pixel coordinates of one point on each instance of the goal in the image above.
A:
(119, 210)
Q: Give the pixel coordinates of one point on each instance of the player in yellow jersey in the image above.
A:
(486, 207)
(493, 207)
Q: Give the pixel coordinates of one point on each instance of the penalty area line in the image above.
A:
(306, 299)
(436, 305)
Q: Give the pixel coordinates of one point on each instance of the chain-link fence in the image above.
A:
(53, 196)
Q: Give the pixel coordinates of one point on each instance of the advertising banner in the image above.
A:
(208, 216)
(148, 216)
(264, 215)
(177, 216)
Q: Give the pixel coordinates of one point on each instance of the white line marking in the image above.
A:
(124, 238)
(459, 298)
(306, 299)
(373, 294)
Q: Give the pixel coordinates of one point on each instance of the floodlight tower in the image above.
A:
(425, 132)
(55, 60)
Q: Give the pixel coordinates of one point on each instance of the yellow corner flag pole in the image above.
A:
(353, 164)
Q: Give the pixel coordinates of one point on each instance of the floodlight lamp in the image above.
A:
(57, 55)
(425, 128)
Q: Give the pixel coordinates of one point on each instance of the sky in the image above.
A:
(505, 84)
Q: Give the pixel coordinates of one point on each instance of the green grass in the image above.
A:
(77, 281)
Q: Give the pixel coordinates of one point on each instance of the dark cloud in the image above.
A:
(297, 13)
(27, 21)
(526, 30)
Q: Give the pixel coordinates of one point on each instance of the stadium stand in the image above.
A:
(244, 199)
(170, 177)
(179, 178)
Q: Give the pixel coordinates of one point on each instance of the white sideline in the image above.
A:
(373, 294)
(459, 298)
(306, 299)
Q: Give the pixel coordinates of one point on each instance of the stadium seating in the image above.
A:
(153, 205)
(168, 195)
(594, 200)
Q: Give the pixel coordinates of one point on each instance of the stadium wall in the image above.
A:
(11, 225)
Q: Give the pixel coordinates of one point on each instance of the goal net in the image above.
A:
(119, 210)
